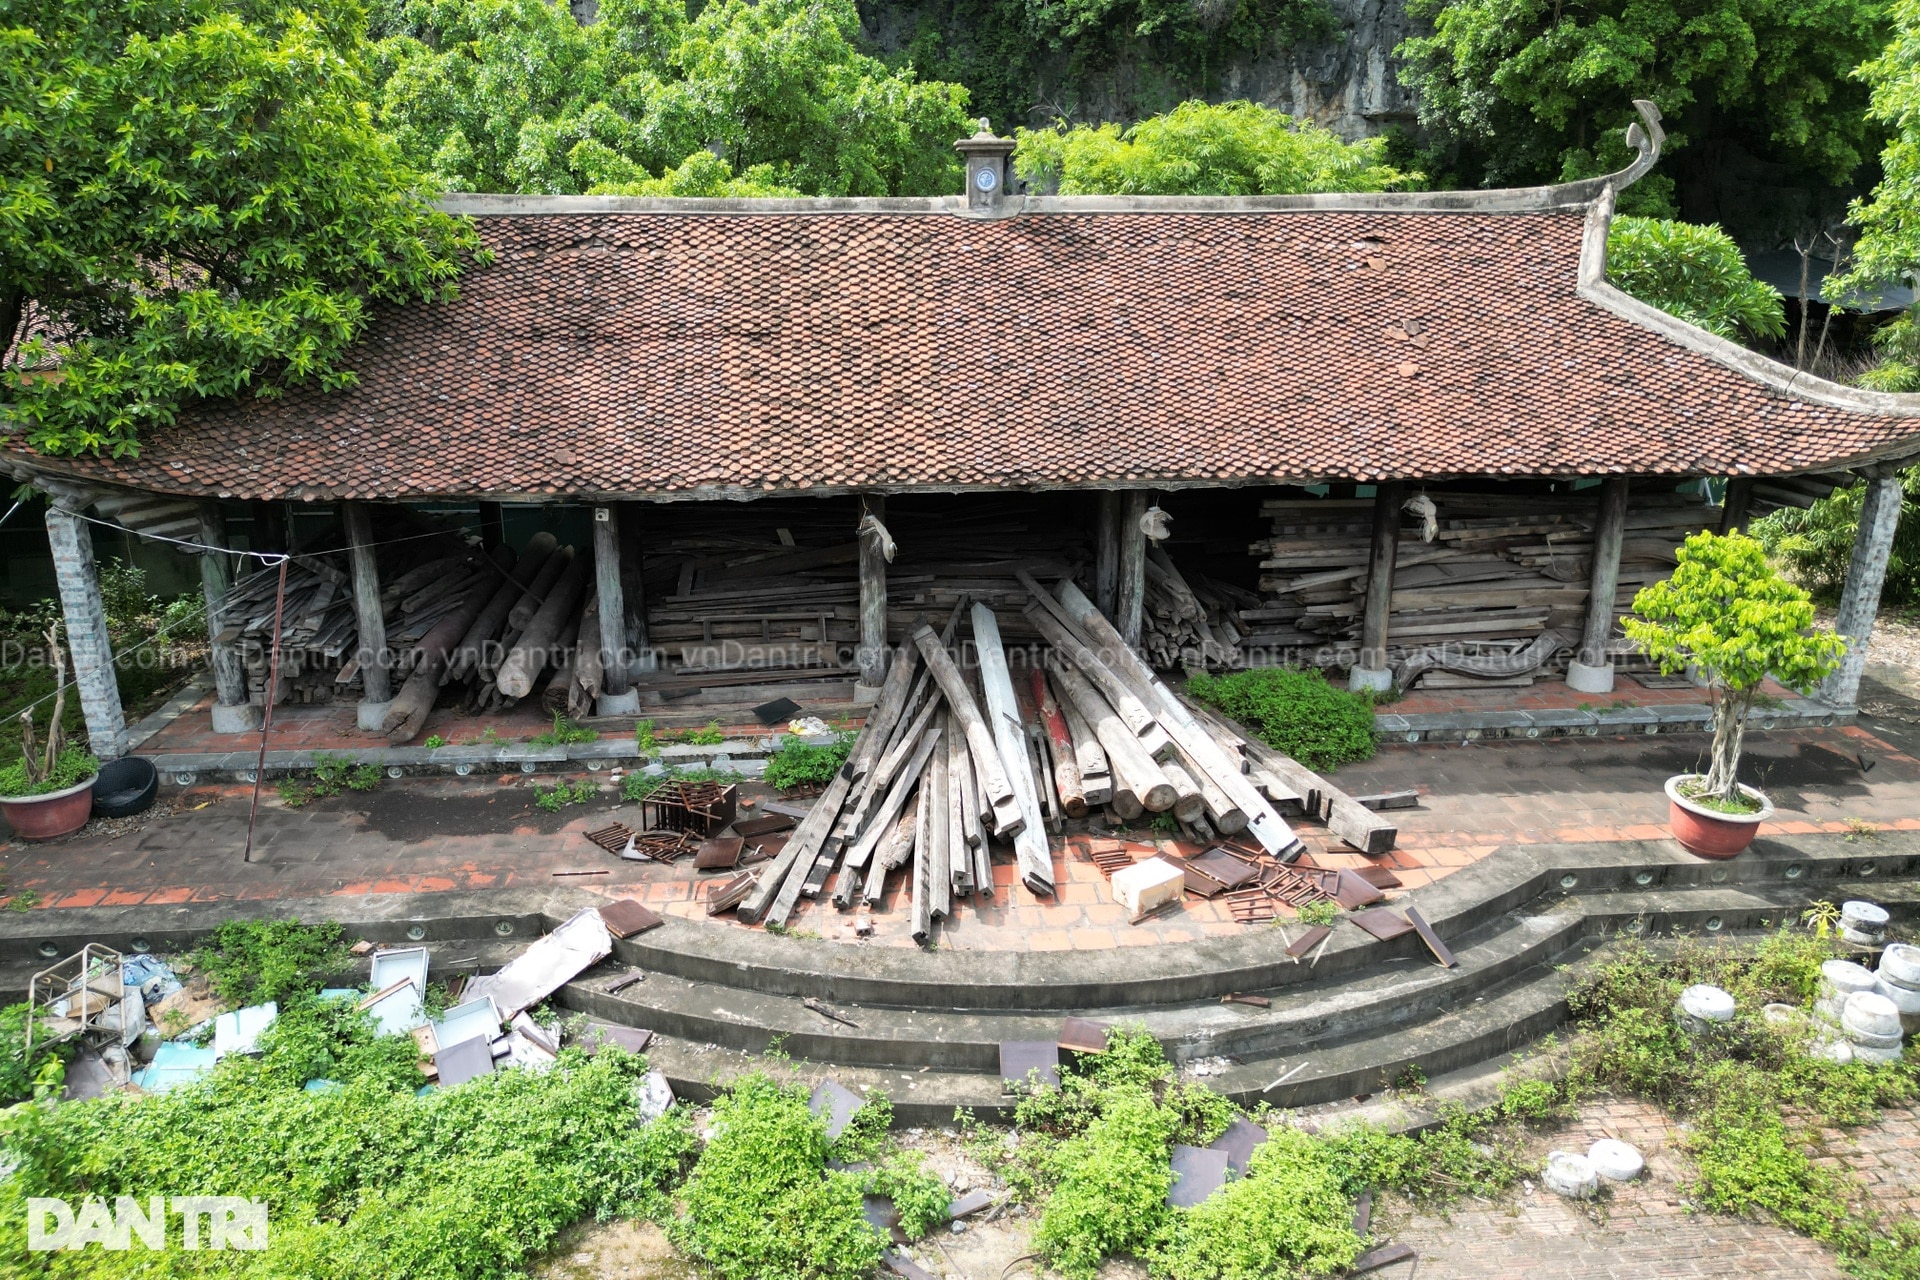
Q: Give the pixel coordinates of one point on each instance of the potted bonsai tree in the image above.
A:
(1730, 617)
(48, 792)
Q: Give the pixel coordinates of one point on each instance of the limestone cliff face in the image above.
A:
(1351, 86)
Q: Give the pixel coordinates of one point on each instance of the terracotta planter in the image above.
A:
(48, 817)
(1707, 833)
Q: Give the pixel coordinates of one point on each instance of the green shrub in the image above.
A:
(554, 798)
(1111, 1193)
(710, 736)
(643, 738)
(253, 961)
(797, 764)
(1289, 1216)
(920, 1198)
(1294, 711)
(73, 766)
(761, 1202)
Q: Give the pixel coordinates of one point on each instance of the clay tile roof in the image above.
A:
(737, 352)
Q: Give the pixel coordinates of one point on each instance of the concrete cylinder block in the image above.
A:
(1900, 965)
(1868, 917)
(1702, 1009)
(1571, 1175)
(1615, 1160)
(1877, 1053)
(1845, 977)
(1869, 1017)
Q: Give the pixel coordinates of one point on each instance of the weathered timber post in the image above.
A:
(493, 525)
(1106, 551)
(232, 713)
(1860, 596)
(1591, 670)
(1370, 672)
(1737, 506)
(617, 697)
(87, 640)
(375, 684)
(872, 655)
(633, 587)
(1130, 590)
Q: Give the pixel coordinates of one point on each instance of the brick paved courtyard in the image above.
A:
(427, 835)
(1645, 1230)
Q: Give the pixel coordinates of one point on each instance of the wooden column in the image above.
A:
(1371, 672)
(633, 584)
(493, 525)
(1106, 551)
(1130, 588)
(1737, 510)
(1860, 596)
(377, 689)
(86, 614)
(232, 713)
(872, 654)
(616, 693)
(1591, 670)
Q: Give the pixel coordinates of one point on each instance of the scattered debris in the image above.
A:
(173, 1065)
(627, 917)
(824, 1010)
(901, 1265)
(1308, 940)
(1247, 998)
(549, 964)
(1570, 1174)
(1389, 800)
(616, 987)
(1432, 939)
(397, 1008)
(239, 1031)
(465, 1061)
(1382, 923)
(1615, 1160)
(1145, 886)
(968, 1205)
(720, 853)
(1198, 1172)
(834, 1103)
(726, 895)
(1385, 1256)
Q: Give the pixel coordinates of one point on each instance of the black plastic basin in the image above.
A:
(125, 787)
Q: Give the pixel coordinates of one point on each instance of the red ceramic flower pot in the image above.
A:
(1710, 834)
(48, 817)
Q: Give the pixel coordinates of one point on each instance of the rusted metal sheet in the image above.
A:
(1084, 1035)
(1381, 923)
(1238, 1143)
(1198, 1172)
(719, 853)
(834, 1103)
(1018, 1057)
(628, 917)
(1432, 939)
(547, 965)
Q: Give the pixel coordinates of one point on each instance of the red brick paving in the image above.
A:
(427, 835)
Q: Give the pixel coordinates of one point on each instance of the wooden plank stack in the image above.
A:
(1499, 571)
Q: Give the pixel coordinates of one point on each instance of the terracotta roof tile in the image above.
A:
(679, 353)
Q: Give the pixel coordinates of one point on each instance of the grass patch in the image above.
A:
(797, 764)
(564, 733)
(557, 797)
(331, 775)
(1294, 711)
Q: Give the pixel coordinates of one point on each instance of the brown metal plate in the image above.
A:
(767, 825)
(1308, 940)
(1352, 893)
(1381, 923)
(1198, 1172)
(721, 853)
(1379, 877)
(1017, 1057)
(627, 917)
(1219, 865)
(1432, 939)
(1083, 1035)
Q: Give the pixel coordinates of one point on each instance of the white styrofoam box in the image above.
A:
(1149, 884)
(1871, 1015)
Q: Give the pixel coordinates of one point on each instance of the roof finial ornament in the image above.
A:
(1646, 137)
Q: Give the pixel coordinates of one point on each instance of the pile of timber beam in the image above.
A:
(1500, 571)
(939, 768)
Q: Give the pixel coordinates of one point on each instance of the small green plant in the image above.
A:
(490, 736)
(331, 775)
(1823, 918)
(796, 764)
(710, 736)
(554, 798)
(761, 1201)
(1727, 612)
(23, 900)
(1317, 913)
(1861, 829)
(1164, 824)
(643, 738)
(434, 741)
(564, 733)
(1411, 1078)
(251, 961)
(1295, 711)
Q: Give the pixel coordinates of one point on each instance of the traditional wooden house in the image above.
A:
(621, 352)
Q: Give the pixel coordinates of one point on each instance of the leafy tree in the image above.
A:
(514, 95)
(1539, 90)
(1815, 543)
(1889, 245)
(193, 202)
(1730, 614)
(1199, 148)
(1693, 272)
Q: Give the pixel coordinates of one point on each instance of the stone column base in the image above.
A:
(372, 715)
(241, 718)
(1582, 678)
(617, 704)
(1369, 679)
(866, 694)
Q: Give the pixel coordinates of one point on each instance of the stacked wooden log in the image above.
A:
(952, 760)
(1191, 621)
(1498, 572)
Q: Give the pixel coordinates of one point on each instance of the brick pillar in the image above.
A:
(232, 713)
(93, 674)
(1860, 596)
